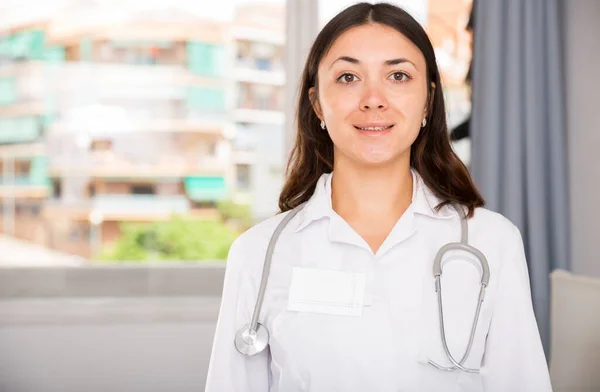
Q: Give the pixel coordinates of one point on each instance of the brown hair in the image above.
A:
(431, 154)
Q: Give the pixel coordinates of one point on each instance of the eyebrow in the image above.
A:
(387, 62)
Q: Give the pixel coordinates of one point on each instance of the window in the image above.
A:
(8, 91)
(146, 112)
(35, 211)
(212, 148)
(20, 129)
(206, 98)
(140, 52)
(264, 64)
(204, 204)
(143, 189)
(243, 176)
(76, 234)
(101, 145)
(56, 188)
(204, 59)
(22, 168)
(263, 95)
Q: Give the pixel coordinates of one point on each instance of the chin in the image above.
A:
(369, 158)
(377, 160)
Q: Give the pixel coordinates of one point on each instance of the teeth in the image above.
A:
(374, 128)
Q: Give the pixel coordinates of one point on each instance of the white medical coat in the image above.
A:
(387, 348)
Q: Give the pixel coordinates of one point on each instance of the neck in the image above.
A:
(372, 193)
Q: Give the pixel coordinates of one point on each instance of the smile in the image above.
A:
(374, 129)
(380, 128)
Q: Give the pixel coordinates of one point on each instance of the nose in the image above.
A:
(373, 98)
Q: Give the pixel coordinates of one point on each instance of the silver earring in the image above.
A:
(323, 124)
(424, 123)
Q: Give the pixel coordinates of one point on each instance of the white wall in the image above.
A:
(582, 65)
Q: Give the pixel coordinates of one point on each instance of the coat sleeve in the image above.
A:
(514, 358)
(230, 371)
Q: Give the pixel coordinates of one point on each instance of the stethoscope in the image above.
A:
(253, 338)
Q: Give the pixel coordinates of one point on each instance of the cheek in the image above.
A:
(337, 105)
(411, 105)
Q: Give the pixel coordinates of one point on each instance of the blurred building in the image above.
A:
(258, 149)
(447, 30)
(106, 118)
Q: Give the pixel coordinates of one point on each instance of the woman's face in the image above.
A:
(372, 94)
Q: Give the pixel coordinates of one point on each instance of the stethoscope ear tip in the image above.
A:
(249, 342)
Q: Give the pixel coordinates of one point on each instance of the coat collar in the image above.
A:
(319, 205)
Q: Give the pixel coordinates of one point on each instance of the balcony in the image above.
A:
(78, 80)
(258, 34)
(26, 108)
(120, 156)
(98, 125)
(244, 72)
(23, 187)
(22, 150)
(131, 206)
(105, 168)
(245, 157)
(119, 207)
(257, 116)
(22, 180)
(141, 117)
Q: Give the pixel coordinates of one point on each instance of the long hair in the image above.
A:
(431, 154)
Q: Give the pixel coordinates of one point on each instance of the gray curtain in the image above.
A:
(519, 157)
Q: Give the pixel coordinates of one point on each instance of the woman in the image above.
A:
(351, 302)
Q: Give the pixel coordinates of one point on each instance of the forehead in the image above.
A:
(375, 42)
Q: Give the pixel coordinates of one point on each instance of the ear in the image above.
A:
(314, 101)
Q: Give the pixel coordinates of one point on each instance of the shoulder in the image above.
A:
(488, 217)
(251, 246)
(502, 243)
(260, 233)
(492, 227)
(500, 240)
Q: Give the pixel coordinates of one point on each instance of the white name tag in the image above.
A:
(327, 291)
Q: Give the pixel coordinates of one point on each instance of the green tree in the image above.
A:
(239, 213)
(177, 239)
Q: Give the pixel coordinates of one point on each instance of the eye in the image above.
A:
(400, 77)
(347, 78)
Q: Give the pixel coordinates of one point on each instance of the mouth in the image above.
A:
(374, 129)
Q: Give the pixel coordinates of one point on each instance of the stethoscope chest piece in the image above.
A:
(250, 342)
